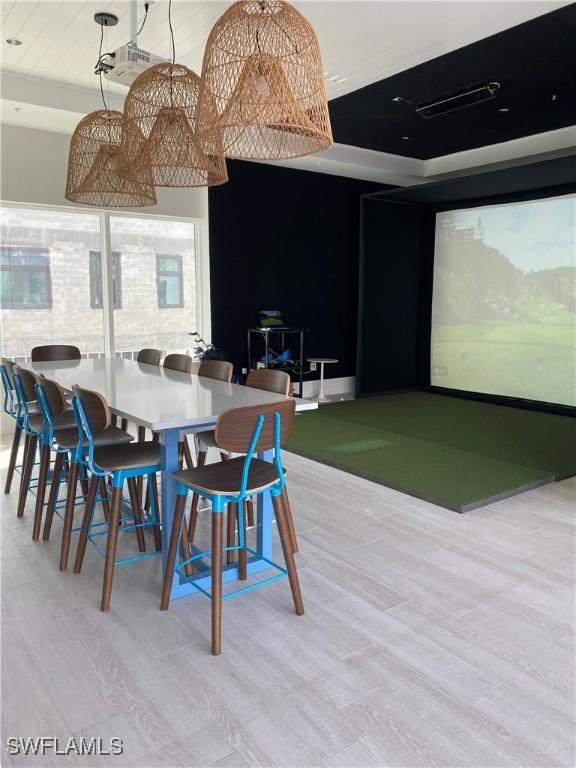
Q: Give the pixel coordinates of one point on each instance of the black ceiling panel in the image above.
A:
(533, 62)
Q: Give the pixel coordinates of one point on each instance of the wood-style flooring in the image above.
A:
(430, 639)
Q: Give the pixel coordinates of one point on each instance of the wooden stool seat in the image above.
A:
(114, 458)
(225, 477)
(65, 420)
(68, 438)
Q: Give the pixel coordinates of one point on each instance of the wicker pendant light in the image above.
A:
(158, 131)
(262, 95)
(93, 177)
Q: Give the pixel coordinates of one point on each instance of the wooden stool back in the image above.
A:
(178, 362)
(9, 368)
(95, 408)
(149, 356)
(269, 380)
(54, 394)
(235, 427)
(28, 382)
(50, 352)
(219, 370)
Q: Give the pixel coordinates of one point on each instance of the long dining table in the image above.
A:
(170, 402)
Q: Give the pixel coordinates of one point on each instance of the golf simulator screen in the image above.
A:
(504, 302)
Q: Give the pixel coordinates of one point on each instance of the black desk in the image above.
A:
(296, 369)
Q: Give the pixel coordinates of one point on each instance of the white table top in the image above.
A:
(156, 398)
(322, 360)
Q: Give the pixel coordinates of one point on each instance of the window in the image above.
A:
(96, 280)
(54, 258)
(169, 278)
(25, 278)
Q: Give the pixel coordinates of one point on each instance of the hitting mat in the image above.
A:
(457, 453)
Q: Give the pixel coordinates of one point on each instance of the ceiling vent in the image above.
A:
(451, 102)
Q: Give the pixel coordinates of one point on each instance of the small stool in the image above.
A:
(323, 361)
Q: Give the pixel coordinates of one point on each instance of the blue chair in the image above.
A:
(119, 463)
(246, 430)
(68, 445)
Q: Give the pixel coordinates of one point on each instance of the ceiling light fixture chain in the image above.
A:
(93, 177)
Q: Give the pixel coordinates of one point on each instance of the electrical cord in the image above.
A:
(99, 68)
(103, 66)
(146, 9)
(171, 31)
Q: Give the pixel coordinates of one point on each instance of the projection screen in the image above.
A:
(504, 302)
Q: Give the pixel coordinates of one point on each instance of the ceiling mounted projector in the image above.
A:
(451, 102)
(125, 64)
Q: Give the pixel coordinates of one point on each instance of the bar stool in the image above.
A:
(119, 463)
(60, 418)
(50, 352)
(67, 445)
(260, 378)
(240, 430)
(31, 424)
(11, 409)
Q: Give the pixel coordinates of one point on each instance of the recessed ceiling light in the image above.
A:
(405, 138)
(503, 109)
(14, 41)
(554, 96)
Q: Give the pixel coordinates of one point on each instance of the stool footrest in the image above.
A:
(190, 580)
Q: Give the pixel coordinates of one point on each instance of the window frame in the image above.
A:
(116, 257)
(201, 257)
(179, 273)
(19, 269)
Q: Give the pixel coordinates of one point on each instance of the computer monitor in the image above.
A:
(270, 318)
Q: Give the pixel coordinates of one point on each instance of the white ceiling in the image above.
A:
(361, 41)
(48, 81)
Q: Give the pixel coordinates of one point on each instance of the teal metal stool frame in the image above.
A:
(25, 388)
(247, 430)
(117, 463)
(12, 409)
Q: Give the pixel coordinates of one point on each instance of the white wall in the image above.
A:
(34, 165)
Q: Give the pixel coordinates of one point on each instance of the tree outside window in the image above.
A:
(25, 281)
(169, 280)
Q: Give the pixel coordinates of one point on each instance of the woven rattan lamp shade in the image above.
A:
(159, 130)
(263, 94)
(93, 166)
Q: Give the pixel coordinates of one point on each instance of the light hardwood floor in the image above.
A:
(430, 639)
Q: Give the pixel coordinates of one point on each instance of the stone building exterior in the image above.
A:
(57, 295)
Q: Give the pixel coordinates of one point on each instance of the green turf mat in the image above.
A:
(458, 453)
